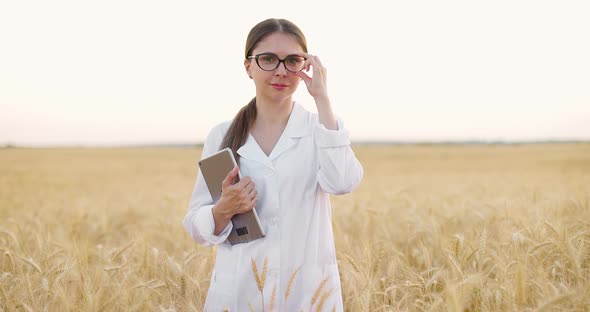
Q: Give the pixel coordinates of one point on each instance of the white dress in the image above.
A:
(308, 163)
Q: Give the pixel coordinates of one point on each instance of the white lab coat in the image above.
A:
(308, 163)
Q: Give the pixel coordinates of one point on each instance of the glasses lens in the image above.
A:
(268, 61)
(294, 63)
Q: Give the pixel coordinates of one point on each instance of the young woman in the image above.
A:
(290, 161)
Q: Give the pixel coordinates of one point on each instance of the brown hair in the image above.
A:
(240, 127)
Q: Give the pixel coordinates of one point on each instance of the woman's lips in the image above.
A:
(279, 86)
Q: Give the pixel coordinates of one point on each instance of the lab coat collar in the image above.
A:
(297, 127)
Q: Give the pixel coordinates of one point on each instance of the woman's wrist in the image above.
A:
(220, 218)
(322, 100)
(325, 113)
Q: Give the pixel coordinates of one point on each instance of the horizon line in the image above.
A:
(353, 142)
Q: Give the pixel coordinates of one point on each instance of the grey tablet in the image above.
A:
(246, 226)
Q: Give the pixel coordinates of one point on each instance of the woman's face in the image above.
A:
(278, 84)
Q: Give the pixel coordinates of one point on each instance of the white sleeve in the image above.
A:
(199, 222)
(340, 172)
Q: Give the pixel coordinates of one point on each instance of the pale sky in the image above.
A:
(141, 72)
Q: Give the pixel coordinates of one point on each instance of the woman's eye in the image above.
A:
(295, 60)
(268, 58)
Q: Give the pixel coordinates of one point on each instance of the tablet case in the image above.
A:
(246, 226)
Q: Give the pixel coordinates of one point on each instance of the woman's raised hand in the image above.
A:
(317, 84)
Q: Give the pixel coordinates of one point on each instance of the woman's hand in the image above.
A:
(317, 84)
(235, 198)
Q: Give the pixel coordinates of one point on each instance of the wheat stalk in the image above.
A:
(264, 270)
(353, 263)
(9, 255)
(30, 262)
(482, 242)
(120, 251)
(290, 284)
(318, 291)
(273, 298)
(11, 235)
(183, 287)
(323, 300)
(458, 244)
(553, 301)
(24, 306)
(540, 245)
(520, 281)
(551, 227)
(110, 268)
(456, 265)
(4, 295)
(260, 277)
(256, 275)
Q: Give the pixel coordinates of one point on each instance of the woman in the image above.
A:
(290, 161)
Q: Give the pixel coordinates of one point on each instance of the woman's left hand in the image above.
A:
(317, 87)
(317, 84)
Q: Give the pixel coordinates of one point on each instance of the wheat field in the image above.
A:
(431, 228)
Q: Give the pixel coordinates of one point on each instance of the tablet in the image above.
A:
(246, 226)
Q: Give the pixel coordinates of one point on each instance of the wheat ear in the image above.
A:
(264, 270)
(260, 277)
(32, 263)
(318, 291)
(272, 298)
(256, 275)
(323, 300)
(290, 284)
(482, 242)
(353, 263)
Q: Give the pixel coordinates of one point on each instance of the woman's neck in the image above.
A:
(273, 113)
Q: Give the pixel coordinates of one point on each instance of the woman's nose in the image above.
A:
(281, 70)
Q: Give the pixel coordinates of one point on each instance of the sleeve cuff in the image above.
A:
(206, 226)
(332, 138)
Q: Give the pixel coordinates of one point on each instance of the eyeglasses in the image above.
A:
(270, 61)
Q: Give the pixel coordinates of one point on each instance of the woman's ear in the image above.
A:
(247, 67)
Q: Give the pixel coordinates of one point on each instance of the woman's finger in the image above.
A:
(304, 76)
(312, 60)
(253, 193)
(309, 59)
(247, 205)
(243, 182)
(251, 205)
(230, 177)
(248, 189)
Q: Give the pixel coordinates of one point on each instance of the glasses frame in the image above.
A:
(255, 57)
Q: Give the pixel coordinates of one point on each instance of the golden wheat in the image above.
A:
(438, 228)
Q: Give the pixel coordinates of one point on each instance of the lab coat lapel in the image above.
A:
(295, 129)
(251, 151)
